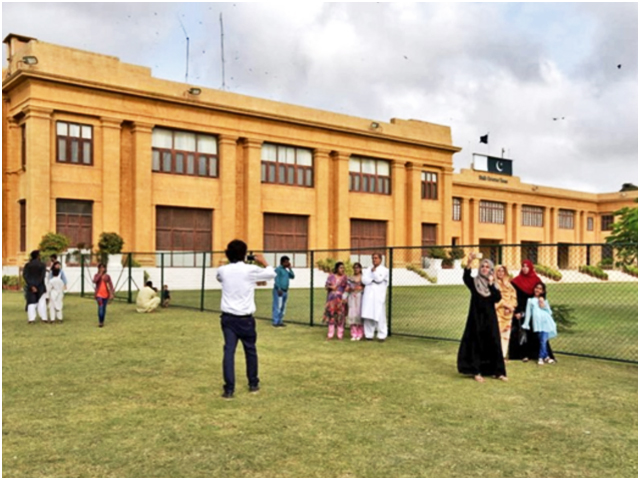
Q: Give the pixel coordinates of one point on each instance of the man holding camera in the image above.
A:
(238, 306)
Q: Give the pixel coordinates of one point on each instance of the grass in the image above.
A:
(140, 398)
(606, 314)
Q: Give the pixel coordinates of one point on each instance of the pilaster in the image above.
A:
(111, 192)
(445, 188)
(339, 220)
(144, 223)
(397, 226)
(252, 202)
(322, 182)
(225, 219)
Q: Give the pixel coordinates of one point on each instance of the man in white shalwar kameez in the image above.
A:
(375, 280)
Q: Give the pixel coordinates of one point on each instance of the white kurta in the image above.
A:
(56, 295)
(374, 313)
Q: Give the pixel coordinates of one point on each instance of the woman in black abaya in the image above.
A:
(480, 350)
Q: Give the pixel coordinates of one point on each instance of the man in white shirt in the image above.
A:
(374, 316)
(238, 306)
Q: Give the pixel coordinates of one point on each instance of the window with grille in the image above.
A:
(184, 153)
(566, 219)
(286, 165)
(457, 209)
(532, 216)
(606, 222)
(430, 185)
(74, 143)
(368, 175)
(491, 212)
(590, 224)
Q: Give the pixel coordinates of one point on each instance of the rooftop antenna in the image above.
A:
(186, 75)
(222, 49)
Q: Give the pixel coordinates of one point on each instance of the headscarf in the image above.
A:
(527, 282)
(481, 281)
(504, 285)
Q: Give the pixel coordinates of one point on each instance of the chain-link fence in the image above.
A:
(592, 288)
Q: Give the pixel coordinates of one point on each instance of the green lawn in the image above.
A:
(606, 314)
(140, 398)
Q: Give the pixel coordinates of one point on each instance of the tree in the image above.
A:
(53, 243)
(624, 233)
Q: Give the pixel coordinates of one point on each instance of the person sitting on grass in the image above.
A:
(165, 296)
(539, 311)
(148, 299)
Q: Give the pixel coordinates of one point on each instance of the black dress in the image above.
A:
(480, 349)
(524, 343)
(34, 273)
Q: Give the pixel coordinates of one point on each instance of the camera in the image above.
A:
(251, 257)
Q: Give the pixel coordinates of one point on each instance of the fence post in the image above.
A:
(204, 271)
(129, 295)
(161, 272)
(311, 291)
(390, 305)
(81, 275)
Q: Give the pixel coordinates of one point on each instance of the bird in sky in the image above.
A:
(619, 66)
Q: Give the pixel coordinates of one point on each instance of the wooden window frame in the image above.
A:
(381, 183)
(81, 142)
(429, 182)
(590, 224)
(532, 216)
(197, 156)
(75, 242)
(23, 225)
(280, 166)
(606, 222)
(566, 219)
(492, 212)
(456, 209)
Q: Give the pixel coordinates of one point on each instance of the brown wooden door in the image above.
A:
(74, 219)
(429, 236)
(184, 229)
(368, 233)
(285, 233)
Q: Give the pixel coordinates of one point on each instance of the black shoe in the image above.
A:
(101, 325)
(254, 388)
(281, 325)
(227, 395)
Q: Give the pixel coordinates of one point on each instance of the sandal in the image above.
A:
(479, 378)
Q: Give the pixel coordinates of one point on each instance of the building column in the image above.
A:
(465, 218)
(322, 181)
(444, 192)
(578, 254)
(252, 215)
(548, 255)
(225, 219)
(413, 207)
(11, 171)
(111, 130)
(340, 223)
(144, 227)
(474, 238)
(398, 224)
(38, 175)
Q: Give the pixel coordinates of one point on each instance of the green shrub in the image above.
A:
(437, 253)
(563, 316)
(108, 244)
(593, 272)
(606, 263)
(327, 265)
(53, 243)
(456, 253)
(422, 273)
(11, 281)
(548, 272)
(630, 270)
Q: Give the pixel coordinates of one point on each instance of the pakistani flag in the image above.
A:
(499, 165)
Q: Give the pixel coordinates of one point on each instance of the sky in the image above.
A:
(506, 69)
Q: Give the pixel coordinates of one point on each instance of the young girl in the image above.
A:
(354, 302)
(539, 311)
(335, 308)
(104, 291)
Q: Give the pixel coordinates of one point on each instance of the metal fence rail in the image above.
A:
(426, 296)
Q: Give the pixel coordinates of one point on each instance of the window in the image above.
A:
(74, 143)
(369, 175)
(180, 233)
(606, 222)
(566, 219)
(491, 212)
(74, 219)
(184, 153)
(457, 209)
(590, 224)
(23, 225)
(529, 251)
(532, 216)
(23, 146)
(430, 185)
(287, 165)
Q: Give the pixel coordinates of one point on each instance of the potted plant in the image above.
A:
(456, 254)
(52, 243)
(436, 254)
(109, 248)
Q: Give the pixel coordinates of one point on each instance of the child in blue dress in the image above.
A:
(539, 311)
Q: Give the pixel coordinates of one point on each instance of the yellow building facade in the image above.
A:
(93, 145)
